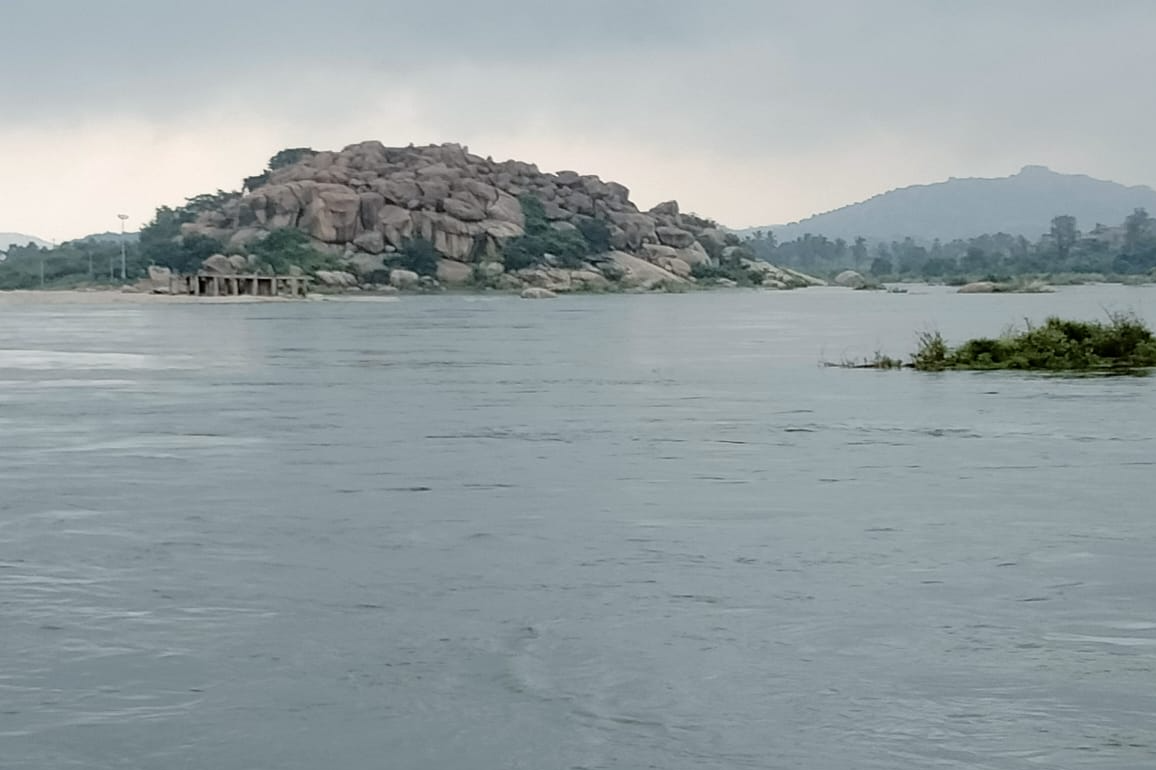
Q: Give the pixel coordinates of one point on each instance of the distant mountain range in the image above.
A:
(7, 240)
(1023, 204)
(110, 237)
(19, 239)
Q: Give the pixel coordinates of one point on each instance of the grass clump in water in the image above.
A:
(1124, 343)
(877, 361)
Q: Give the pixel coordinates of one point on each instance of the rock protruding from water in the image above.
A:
(850, 279)
(979, 287)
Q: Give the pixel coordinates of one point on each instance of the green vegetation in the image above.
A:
(932, 354)
(420, 256)
(1123, 344)
(290, 156)
(597, 234)
(281, 160)
(729, 264)
(570, 245)
(96, 260)
(161, 242)
(90, 261)
(877, 361)
(283, 249)
(728, 272)
(1127, 251)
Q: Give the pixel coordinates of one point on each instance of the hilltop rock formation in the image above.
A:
(365, 203)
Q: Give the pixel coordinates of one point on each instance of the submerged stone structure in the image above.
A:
(210, 284)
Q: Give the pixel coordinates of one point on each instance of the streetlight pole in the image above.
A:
(42, 263)
(123, 255)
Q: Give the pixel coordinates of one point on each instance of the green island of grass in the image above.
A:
(1122, 344)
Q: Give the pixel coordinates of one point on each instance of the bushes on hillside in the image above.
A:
(597, 234)
(282, 249)
(729, 272)
(419, 256)
(570, 246)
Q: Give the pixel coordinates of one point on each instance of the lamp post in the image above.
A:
(42, 263)
(123, 256)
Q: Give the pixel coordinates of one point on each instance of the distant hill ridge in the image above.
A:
(7, 240)
(1022, 204)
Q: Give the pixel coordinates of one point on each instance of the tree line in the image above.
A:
(1122, 251)
(1125, 250)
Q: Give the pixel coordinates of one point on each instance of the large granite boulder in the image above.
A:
(676, 237)
(490, 270)
(218, 264)
(979, 287)
(453, 273)
(160, 280)
(636, 229)
(850, 279)
(694, 254)
(638, 273)
(367, 264)
(589, 280)
(336, 279)
(371, 242)
(463, 210)
(404, 279)
(332, 213)
(507, 208)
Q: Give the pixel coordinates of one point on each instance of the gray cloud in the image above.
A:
(845, 97)
(140, 53)
(150, 56)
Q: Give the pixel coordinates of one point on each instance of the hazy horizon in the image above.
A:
(749, 114)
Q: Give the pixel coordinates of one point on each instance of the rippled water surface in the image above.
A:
(596, 532)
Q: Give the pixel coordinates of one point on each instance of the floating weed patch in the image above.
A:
(1124, 344)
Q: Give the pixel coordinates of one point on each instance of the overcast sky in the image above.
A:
(749, 111)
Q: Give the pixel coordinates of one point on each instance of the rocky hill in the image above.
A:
(1022, 204)
(500, 224)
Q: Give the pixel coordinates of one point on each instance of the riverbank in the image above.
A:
(112, 296)
(115, 297)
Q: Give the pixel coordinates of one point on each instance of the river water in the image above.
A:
(595, 532)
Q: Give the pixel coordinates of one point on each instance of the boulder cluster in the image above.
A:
(366, 202)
